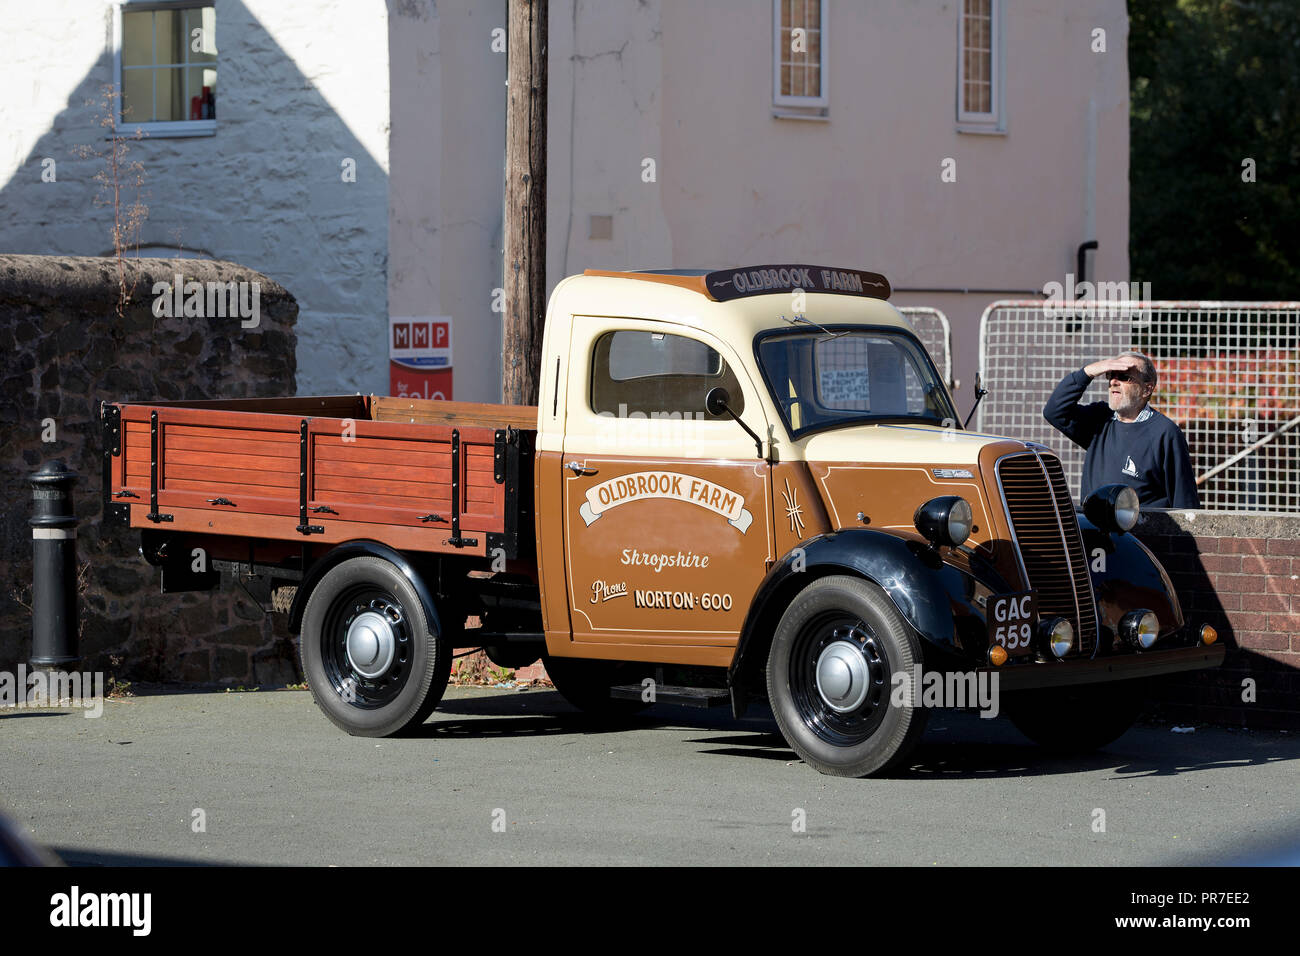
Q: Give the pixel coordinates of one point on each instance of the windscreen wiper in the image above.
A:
(807, 321)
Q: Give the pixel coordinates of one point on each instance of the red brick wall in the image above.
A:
(1240, 573)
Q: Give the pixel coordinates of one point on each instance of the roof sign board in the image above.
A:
(761, 280)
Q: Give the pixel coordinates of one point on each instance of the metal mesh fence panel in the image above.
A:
(932, 328)
(1228, 374)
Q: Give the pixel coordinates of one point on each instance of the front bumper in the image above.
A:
(1032, 674)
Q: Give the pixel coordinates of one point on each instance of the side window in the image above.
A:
(979, 64)
(799, 55)
(166, 56)
(657, 374)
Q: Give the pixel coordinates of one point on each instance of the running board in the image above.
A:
(668, 694)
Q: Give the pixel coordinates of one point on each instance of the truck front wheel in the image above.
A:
(373, 661)
(829, 678)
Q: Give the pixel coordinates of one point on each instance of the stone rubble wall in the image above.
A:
(63, 349)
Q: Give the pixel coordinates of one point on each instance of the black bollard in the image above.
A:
(54, 568)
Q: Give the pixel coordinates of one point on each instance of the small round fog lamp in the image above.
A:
(1060, 636)
(1139, 628)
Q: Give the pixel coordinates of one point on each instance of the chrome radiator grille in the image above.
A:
(1047, 537)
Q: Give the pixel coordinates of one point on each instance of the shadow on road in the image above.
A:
(80, 856)
(12, 714)
(956, 745)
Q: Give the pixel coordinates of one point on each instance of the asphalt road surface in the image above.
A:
(510, 777)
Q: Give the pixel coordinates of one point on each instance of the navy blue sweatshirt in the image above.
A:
(1150, 456)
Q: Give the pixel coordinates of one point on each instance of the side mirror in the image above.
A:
(718, 403)
(980, 392)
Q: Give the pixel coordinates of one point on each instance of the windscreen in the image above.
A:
(823, 379)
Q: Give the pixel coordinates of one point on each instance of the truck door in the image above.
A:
(667, 510)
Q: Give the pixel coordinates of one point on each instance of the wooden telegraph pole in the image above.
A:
(525, 206)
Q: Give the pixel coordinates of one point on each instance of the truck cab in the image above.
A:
(664, 518)
(743, 484)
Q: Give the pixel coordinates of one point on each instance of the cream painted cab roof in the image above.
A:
(637, 296)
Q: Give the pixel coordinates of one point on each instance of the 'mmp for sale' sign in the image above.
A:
(419, 356)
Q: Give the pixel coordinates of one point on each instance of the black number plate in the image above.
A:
(1013, 621)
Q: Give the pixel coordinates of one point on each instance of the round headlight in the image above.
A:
(1113, 508)
(1139, 628)
(1060, 636)
(944, 520)
(960, 520)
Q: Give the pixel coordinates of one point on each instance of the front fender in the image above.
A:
(1126, 576)
(935, 594)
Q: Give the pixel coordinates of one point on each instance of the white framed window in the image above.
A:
(165, 59)
(800, 78)
(979, 65)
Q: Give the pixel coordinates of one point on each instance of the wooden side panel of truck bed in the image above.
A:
(292, 475)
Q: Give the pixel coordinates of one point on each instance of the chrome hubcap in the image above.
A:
(371, 643)
(842, 676)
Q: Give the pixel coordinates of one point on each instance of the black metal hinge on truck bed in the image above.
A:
(114, 512)
(456, 541)
(503, 437)
(153, 514)
(303, 526)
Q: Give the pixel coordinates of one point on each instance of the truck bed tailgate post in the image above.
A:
(153, 470)
(456, 541)
(303, 526)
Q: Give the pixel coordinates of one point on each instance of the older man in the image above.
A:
(1127, 440)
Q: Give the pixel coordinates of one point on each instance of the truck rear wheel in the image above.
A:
(1076, 720)
(829, 678)
(371, 657)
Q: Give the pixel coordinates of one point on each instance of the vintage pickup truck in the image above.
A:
(737, 485)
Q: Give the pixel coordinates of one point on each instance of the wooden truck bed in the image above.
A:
(416, 474)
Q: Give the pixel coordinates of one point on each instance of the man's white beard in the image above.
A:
(1126, 411)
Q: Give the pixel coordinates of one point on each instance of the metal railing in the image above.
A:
(1228, 374)
(932, 328)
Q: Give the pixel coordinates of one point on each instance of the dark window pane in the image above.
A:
(656, 373)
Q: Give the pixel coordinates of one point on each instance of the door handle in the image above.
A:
(579, 468)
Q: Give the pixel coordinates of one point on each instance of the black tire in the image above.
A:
(585, 684)
(1076, 720)
(405, 692)
(873, 736)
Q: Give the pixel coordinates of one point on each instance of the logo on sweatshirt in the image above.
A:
(1130, 468)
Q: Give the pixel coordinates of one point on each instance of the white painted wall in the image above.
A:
(298, 91)
(445, 197)
(607, 76)
(738, 186)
